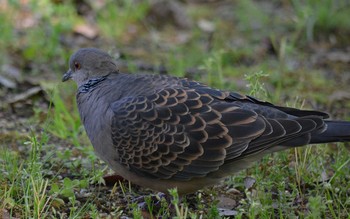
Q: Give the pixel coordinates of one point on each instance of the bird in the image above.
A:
(162, 132)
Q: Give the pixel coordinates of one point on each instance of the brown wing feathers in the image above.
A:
(181, 133)
(176, 131)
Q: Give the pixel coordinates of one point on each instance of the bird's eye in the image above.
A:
(76, 65)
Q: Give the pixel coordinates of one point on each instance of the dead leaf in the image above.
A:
(325, 177)
(3, 5)
(57, 203)
(146, 214)
(234, 191)
(86, 30)
(11, 71)
(227, 212)
(249, 182)
(25, 19)
(227, 203)
(6, 215)
(7, 82)
(206, 26)
(25, 95)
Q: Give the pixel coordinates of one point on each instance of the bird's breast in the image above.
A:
(96, 117)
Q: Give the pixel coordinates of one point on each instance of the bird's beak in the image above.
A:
(67, 75)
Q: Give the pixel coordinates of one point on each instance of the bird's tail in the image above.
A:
(337, 131)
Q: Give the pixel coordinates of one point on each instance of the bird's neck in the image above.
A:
(91, 84)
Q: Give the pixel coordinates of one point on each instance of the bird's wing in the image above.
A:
(284, 125)
(261, 107)
(181, 133)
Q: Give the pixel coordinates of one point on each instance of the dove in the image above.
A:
(163, 132)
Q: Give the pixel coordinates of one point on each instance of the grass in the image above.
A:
(28, 188)
(120, 15)
(53, 171)
(313, 17)
(62, 122)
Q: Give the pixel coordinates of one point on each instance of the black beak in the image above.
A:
(67, 76)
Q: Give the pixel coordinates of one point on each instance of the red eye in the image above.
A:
(76, 65)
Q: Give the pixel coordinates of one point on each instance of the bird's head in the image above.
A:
(89, 63)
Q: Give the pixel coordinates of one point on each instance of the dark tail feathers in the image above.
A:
(337, 131)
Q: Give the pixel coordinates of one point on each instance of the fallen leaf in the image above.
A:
(11, 71)
(227, 212)
(7, 82)
(206, 26)
(6, 215)
(25, 95)
(86, 30)
(324, 176)
(234, 191)
(25, 19)
(226, 203)
(249, 182)
(4, 5)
